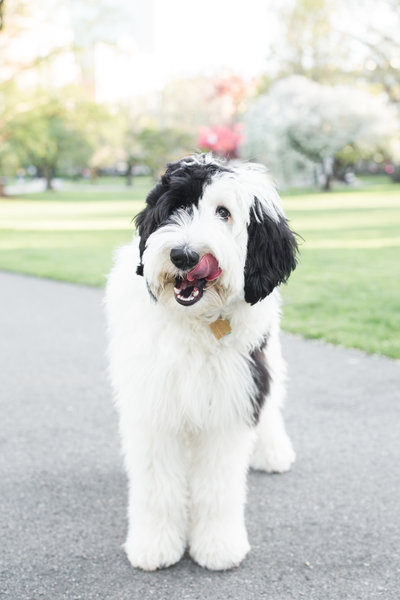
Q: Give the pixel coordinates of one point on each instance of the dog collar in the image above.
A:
(220, 328)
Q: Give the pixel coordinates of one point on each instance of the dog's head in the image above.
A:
(213, 233)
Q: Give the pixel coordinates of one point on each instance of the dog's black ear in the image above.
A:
(271, 254)
(157, 208)
(145, 226)
(148, 219)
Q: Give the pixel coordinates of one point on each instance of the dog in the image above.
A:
(193, 310)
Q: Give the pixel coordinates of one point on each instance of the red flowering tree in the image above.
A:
(222, 140)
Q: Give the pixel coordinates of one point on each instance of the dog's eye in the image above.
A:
(223, 212)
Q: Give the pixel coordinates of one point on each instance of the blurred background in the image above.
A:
(101, 87)
(97, 95)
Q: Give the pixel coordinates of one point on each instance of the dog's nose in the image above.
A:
(184, 258)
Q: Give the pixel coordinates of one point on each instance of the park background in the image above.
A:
(97, 95)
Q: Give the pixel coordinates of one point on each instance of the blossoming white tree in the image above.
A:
(301, 124)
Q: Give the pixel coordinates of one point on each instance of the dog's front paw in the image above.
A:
(219, 548)
(150, 552)
(274, 454)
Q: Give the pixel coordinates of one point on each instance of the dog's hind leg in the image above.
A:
(273, 451)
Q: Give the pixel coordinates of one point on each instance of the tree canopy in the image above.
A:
(301, 124)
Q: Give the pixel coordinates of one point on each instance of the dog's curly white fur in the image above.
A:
(195, 411)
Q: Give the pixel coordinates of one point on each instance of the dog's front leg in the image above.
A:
(217, 531)
(157, 510)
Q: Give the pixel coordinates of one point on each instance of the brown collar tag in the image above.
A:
(220, 328)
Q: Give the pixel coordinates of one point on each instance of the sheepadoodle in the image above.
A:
(193, 311)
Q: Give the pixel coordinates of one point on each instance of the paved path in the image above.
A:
(329, 530)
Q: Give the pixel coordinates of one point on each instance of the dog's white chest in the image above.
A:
(197, 380)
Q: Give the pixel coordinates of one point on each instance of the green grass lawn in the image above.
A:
(345, 289)
(68, 235)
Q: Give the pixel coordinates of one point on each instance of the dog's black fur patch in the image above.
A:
(181, 187)
(261, 378)
(271, 254)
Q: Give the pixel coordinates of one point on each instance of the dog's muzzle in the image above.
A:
(189, 288)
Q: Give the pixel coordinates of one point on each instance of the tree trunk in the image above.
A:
(2, 188)
(327, 184)
(129, 173)
(327, 169)
(49, 183)
(94, 174)
(48, 175)
(396, 174)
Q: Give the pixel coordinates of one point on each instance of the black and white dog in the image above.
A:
(193, 310)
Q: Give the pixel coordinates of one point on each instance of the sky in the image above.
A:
(204, 36)
(171, 39)
(155, 41)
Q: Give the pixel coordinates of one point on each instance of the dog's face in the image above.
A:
(213, 233)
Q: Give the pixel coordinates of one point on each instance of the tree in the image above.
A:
(12, 24)
(99, 126)
(378, 34)
(337, 42)
(301, 124)
(44, 136)
(8, 106)
(2, 14)
(159, 146)
(133, 118)
(310, 44)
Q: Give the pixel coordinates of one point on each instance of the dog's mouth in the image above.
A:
(189, 288)
(187, 292)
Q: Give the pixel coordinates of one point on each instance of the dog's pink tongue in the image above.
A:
(206, 268)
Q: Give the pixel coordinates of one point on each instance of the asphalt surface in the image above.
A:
(328, 530)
